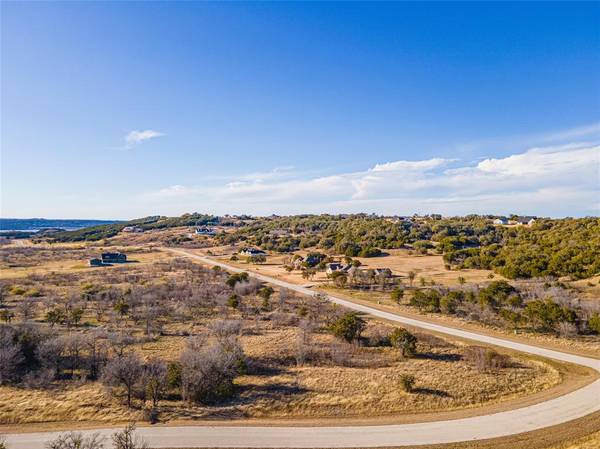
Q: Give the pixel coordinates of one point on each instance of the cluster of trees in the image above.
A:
(543, 308)
(350, 326)
(567, 247)
(100, 232)
(35, 357)
(363, 235)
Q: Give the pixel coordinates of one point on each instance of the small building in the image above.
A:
(501, 221)
(133, 229)
(333, 267)
(336, 266)
(114, 258)
(252, 252)
(95, 262)
(206, 231)
(527, 220)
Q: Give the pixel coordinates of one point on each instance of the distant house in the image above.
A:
(252, 252)
(333, 267)
(501, 221)
(114, 258)
(314, 259)
(336, 266)
(527, 220)
(96, 262)
(206, 231)
(133, 229)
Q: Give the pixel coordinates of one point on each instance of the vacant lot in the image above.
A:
(294, 367)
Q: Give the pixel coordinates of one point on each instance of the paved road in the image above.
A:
(562, 409)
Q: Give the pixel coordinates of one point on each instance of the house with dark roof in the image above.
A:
(206, 231)
(95, 262)
(116, 257)
(252, 252)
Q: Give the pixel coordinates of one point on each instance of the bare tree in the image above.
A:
(155, 379)
(120, 342)
(123, 371)
(127, 439)
(224, 329)
(10, 355)
(208, 370)
(74, 346)
(96, 346)
(50, 353)
(26, 308)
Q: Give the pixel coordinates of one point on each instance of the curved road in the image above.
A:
(562, 409)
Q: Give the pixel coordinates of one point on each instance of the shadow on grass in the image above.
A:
(432, 392)
(439, 357)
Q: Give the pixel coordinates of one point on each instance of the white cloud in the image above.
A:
(428, 164)
(559, 180)
(136, 137)
(176, 191)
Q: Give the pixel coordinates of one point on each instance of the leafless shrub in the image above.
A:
(224, 329)
(127, 439)
(76, 440)
(566, 329)
(10, 355)
(279, 319)
(26, 308)
(304, 346)
(432, 340)
(340, 353)
(377, 336)
(208, 370)
(38, 379)
(249, 287)
(485, 359)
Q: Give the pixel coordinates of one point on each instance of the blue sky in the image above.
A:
(123, 109)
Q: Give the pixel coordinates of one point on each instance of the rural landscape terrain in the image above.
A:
(299, 224)
(167, 321)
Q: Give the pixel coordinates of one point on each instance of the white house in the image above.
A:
(206, 231)
(133, 229)
(252, 252)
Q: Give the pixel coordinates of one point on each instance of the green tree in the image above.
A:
(121, 307)
(407, 382)
(54, 316)
(348, 327)
(594, 322)
(233, 301)
(397, 295)
(402, 339)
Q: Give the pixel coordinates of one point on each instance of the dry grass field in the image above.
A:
(42, 259)
(338, 380)
(400, 261)
(429, 268)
